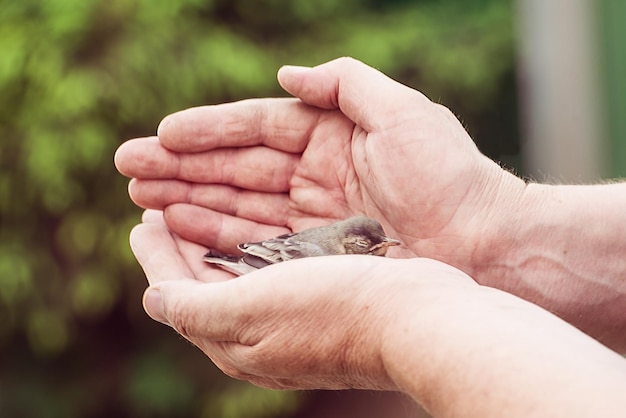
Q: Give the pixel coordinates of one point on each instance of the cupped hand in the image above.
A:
(311, 323)
(353, 142)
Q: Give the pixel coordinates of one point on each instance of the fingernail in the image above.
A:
(165, 122)
(290, 70)
(294, 68)
(153, 305)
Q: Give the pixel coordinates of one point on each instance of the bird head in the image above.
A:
(366, 236)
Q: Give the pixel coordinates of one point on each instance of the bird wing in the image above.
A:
(282, 248)
(232, 263)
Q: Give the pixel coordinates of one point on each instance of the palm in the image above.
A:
(324, 185)
(255, 169)
(346, 170)
(339, 169)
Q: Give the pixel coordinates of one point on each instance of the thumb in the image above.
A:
(365, 95)
(195, 309)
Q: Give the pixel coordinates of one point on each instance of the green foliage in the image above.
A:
(79, 76)
(155, 386)
(613, 67)
(248, 401)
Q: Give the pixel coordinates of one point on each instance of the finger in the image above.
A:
(216, 230)
(192, 253)
(222, 311)
(282, 124)
(153, 217)
(268, 208)
(135, 156)
(193, 308)
(255, 168)
(365, 95)
(237, 310)
(157, 253)
(166, 258)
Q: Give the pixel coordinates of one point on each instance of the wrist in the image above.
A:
(562, 248)
(495, 230)
(477, 351)
(425, 294)
(435, 349)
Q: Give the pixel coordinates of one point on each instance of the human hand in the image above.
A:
(413, 325)
(312, 323)
(355, 143)
(358, 143)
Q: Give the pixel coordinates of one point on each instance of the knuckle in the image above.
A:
(232, 371)
(347, 61)
(181, 318)
(228, 357)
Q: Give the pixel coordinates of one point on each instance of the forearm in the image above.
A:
(485, 353)
(565, 250)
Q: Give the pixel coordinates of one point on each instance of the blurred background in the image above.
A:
(538, 84)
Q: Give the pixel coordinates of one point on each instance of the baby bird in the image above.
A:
(358, 235)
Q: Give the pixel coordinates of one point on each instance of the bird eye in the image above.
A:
(362, 243)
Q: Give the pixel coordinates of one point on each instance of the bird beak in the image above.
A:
(381, 249)
(390, 242)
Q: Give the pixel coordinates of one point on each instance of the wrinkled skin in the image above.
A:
(288, 166)
(354, 142)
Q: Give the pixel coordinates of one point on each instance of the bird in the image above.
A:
(356, 235)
